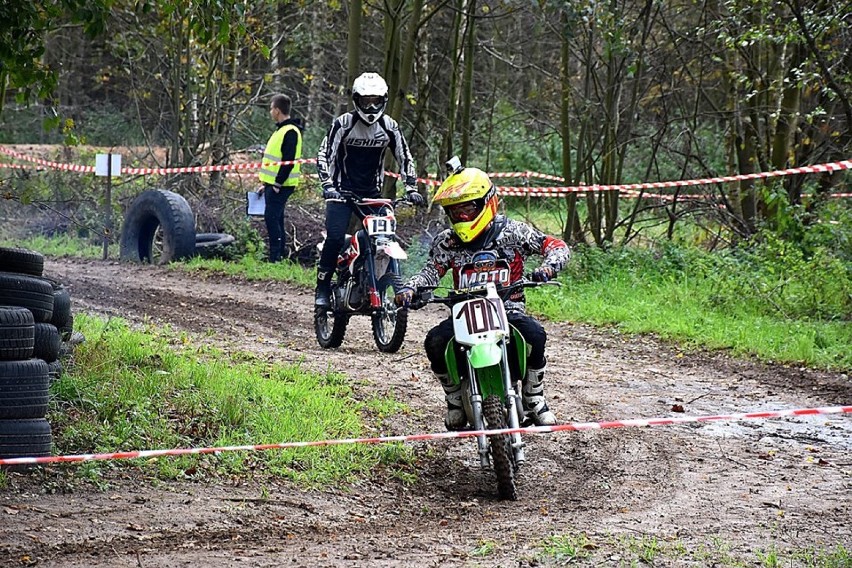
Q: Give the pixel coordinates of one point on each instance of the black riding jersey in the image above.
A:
(510, 240)
(352, 153)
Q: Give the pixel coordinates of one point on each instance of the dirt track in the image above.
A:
(754, 485)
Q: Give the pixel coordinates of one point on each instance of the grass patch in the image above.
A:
(61, 245)
(251, 268)
(565, 548)
(711, 301)
(130, 390)
(646, 550)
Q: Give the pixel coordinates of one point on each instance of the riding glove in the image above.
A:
(413, 197)
(331, 194)
(404, 297)
(543, 274)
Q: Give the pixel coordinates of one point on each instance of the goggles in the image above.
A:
(463, 212)
(372, 103)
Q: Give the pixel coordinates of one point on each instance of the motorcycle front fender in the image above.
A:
(485, 355)
(393, 250)
(489, 379)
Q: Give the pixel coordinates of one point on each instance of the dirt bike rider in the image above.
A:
(470, 202)
(350, 162)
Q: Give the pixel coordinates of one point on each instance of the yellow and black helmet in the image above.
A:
(469, 200)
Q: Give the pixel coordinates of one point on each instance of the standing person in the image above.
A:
(470, 202)
(279, 181)
(350, 164)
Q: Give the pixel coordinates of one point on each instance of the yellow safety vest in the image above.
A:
(272, 155)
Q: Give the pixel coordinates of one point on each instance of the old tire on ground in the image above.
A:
(47, 342)
(21, 260)
(25, 438)
(158, 228)
(212, 245)
(17, 333)
(54, 370)
(61, 303)
(31, 292)
(23, 389)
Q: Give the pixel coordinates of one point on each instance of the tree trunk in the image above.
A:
(571, 230)
(467, 81)
(353, 43)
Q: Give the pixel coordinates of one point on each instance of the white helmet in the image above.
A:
(370, 95)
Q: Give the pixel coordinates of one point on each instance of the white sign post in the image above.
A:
(108, 165)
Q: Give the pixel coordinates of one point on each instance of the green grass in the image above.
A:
(253, 269)
(566, 548)
(61, 245)
(581, 549)
(153, 389)
(681, 310)
(712, 301)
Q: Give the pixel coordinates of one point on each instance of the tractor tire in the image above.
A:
(158, 228)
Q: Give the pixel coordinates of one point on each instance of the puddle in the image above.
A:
(833, 430)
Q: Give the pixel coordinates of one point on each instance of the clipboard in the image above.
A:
(255, 204)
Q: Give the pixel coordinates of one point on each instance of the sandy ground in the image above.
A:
(728, 489)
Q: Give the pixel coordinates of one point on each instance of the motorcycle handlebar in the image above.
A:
(424, 295)
(358, 201)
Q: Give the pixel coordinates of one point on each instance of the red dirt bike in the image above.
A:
(479, 359)
(366, 280)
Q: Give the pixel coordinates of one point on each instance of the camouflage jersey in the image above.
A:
(512, 241)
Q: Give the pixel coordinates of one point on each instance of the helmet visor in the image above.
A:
(464, 212)
(371, 103)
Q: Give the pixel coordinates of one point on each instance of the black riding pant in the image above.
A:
(532, 331)
(273, 215)
(337, 216)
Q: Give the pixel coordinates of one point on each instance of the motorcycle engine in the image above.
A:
(353, 295)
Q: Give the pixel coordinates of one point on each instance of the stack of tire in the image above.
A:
(35, 317)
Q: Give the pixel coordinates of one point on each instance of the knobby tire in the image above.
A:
(501, 448)
(389, 324)
(329, 326)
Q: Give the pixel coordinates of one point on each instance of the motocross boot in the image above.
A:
(322, 298)
(456, 418)
(532, 391)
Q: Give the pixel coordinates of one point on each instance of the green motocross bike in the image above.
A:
(479, 359)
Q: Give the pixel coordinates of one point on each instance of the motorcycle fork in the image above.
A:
(476, 410)
(513, 401)
(371, 280)
(391, 266)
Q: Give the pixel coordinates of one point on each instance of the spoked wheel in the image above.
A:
(391, 321)
(501, 447)
(330, 326)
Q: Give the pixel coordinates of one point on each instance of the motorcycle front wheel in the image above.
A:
(330, 326)
(501, 447)
(390, 321)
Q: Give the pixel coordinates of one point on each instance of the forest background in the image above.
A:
(595, 92)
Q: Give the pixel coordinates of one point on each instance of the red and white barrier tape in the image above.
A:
(522, 191)
(817, 168)
(573, 427)
(47, 163)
